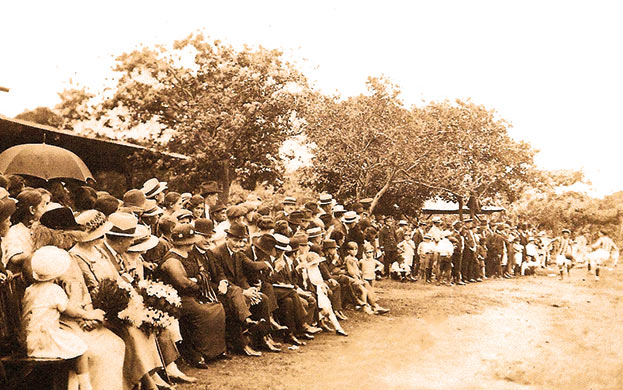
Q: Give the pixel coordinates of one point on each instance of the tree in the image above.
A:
(370, 145)
(41, 115)
(228, 110)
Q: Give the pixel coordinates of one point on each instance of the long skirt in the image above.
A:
(203, 328)
(105, 353)
(141, 354)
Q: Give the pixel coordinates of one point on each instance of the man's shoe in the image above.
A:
(367, 309)
(291, 339)
(273, 342)
(268, 345)
(479, 280)
(201, 364)
(340, 316)
(248, 351)
(277, 326)
(249, 323)
(461, 283)
(224, 356)
(381, 310)
(341, 332)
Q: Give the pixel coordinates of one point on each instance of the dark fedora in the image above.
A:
(328, 244)
(266, 244)
(209, 187)
(60, 218)
(219, 206)
(237, 230)
(296, 217)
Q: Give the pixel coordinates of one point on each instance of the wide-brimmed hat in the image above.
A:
(325, 199)
(566, 231)
(204, 227)
(366, 201)
(134, 201)
(152, 209)
(49, 262)
(349, 217)
(153, 187)
(145, 240)
(266, 244)
(289, 200)
(237, 230)
(282, 242)
(60, 218)
(184, 234)
(209, 187)
(313, 258)
(123, 225)
(95, 223)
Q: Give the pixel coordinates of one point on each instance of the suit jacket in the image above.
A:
(231, 264)
(255, 269)
(387, 238)
(356, 235)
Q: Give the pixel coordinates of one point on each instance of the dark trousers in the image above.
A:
(415, 270)
(467, 267)
(388, 260)
(457, 262)
(290, 312)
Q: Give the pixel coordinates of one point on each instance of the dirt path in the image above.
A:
(536, 333)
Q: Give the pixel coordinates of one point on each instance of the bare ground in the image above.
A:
(527, 333)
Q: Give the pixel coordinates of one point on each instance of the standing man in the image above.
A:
(469, 252)
(457, 255)
(388, 244)
(210, 192)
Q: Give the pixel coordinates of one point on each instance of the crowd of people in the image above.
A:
(251, 277)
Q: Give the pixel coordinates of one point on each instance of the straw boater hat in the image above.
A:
(349, 217)
(338, 209)
(289, 200)
(325, 199)
(123, 225)
(153, 187)
(184, 234)
(95, 225)
(314, 232)
(282, 242)
(145, 240)
(49, 262)
(183, 213)
(402, 222)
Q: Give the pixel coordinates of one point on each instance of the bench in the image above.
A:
(18, 371)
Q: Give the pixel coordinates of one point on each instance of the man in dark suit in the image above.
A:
(418, 237)
(388, 244)
(229, 257)
(353, 232)
(469, 253)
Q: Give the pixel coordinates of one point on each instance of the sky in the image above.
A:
(554, 69)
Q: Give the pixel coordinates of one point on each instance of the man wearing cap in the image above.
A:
(229, 256)
(210, 192)
(495, 246)
(469, 252)
(388, 244)
(325, 201)
(417, 237)
(235, 214)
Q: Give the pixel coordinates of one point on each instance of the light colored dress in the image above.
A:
(42, 304)
(105, 349)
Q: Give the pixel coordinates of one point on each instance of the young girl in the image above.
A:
(43, 304)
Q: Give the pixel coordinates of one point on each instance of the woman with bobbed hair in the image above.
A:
(17, 246)
(196, 205)
(172, 203)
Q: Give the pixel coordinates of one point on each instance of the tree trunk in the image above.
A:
(225, 182)
(379, 194)
(460, 200)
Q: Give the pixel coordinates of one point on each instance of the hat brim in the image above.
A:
(97, 233)
(145, 245)
(62, 263)
(286, 248)
(187, 241)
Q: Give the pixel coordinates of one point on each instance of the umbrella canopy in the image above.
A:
(43, 161)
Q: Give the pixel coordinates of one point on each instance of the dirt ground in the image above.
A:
(527, 333)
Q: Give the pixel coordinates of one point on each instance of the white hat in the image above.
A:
(123, 224)
(338, 208)
(145, 241)
(402, 222)
(349, 217)
(325, 199)
(282, 242)
(49, 262)
(436, 219)
(153, 187)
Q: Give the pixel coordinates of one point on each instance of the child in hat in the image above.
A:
(43, 303)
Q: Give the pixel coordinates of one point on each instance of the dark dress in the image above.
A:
(202, 321)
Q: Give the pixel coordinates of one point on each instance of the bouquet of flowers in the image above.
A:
(120, 302)
(162, 305)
